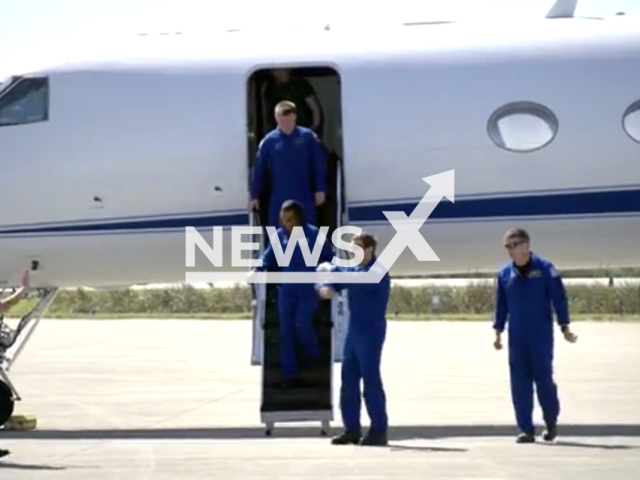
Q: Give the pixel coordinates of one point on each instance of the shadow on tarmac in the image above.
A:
(27, 466)
(397, 433)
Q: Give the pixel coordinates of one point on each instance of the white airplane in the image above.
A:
(106, 160)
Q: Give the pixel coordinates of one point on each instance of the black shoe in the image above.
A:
(375, 440)
(4, 453)
(550, 434)
(526, 438)
(346, 438)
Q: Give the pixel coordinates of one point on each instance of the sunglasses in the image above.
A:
(512, 245)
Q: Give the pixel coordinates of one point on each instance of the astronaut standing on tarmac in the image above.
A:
(363, 346)
(528, 290)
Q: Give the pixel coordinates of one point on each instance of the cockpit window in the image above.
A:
(5, 82)
(26, 100)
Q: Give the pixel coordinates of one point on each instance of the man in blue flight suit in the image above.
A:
(363, 350)
(290, 165)
(527, 289)
(297, 302)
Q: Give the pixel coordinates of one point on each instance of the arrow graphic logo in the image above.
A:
(408, 228)
(407, 236)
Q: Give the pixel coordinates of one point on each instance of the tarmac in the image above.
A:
(178, 399)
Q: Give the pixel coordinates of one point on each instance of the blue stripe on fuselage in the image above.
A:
(538, 205)
(560, 205)
(156, 223)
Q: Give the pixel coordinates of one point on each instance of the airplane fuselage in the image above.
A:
(153, 137)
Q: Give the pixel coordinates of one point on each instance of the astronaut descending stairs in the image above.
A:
(312, 401)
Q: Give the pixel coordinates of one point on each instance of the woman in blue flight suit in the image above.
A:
(297, 302)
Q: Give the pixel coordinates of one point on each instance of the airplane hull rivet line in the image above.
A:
(12, 343)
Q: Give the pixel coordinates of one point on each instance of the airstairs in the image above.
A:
(312, 402)
(12, 342)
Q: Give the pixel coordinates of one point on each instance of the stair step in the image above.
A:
(316, 393)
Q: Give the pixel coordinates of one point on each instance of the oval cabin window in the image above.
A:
(631, 121)
(522, 126)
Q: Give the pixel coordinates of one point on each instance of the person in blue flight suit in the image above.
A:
(363, 350)
(528, 289)
(291, 165)
(297, 302)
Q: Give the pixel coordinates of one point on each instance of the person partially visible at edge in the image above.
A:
(298, 90)
(528, 289)
(5, 305)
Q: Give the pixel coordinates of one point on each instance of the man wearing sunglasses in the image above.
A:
(528, 289)
(290, 165)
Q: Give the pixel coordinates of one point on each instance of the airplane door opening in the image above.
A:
(316, 92)
(306, 86)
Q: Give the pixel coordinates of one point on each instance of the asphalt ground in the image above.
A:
(163, 399)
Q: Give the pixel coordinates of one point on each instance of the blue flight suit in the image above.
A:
(525, 299)
(295, 165)
(363, 351)
(297, 302)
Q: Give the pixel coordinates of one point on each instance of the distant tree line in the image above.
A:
(595, 273)
(623, 298)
